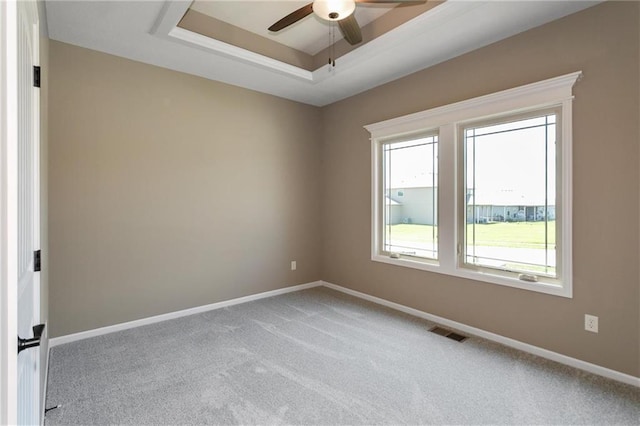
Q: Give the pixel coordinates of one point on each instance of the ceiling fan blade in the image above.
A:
(292, 18)
(350, 29)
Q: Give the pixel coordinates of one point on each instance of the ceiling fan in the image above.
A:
(340, 11)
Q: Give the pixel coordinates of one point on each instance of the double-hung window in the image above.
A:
(480, 189)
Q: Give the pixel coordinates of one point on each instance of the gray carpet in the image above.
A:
(318, 357)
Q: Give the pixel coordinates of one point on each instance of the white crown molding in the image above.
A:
(239, 53)
(169, 16)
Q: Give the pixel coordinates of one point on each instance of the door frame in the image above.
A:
(8, 212)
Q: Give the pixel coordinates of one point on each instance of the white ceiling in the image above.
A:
(309, 35)
(146, 31)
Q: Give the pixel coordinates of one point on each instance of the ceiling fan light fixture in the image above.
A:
(333, 10)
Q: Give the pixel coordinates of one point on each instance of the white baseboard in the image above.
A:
(516, 344)
(171, 315)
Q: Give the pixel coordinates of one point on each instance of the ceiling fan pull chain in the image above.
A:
(332, 55)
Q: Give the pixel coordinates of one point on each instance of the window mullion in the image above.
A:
(546, 194)
(446, 197)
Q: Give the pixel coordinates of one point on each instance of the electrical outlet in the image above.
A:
(591, 323)
(294, 265)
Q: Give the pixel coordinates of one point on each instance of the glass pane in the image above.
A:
(411, 195)
(510, 196)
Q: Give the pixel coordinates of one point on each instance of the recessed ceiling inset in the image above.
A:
(310, 35)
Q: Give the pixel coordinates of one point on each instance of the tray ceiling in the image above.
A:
(310, 35)
(148, 31)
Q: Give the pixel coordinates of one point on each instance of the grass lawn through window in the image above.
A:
(497, 234)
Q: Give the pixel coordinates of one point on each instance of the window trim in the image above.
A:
(445, 120)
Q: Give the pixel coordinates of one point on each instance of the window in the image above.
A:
(410, 215)
(479, 189)
(509, 176)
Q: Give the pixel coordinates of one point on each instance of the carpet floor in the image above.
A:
(318, 357)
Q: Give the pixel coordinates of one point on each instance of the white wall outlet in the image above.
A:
(591, 323)
(294, 265)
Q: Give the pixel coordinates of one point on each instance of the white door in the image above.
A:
(28, 193)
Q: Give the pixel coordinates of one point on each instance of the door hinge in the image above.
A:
(37, 263)
(36, 76)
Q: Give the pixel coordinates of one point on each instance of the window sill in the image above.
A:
(434, 266)
(408, 262)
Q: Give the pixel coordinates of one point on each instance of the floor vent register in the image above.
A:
(448, 334)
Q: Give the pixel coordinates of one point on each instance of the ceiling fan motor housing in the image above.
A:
(333, 10)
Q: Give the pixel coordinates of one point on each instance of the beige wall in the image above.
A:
(169, 191)
(603, 42)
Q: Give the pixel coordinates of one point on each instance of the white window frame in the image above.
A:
(552, 93)
(381, 144)
(462, 224)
